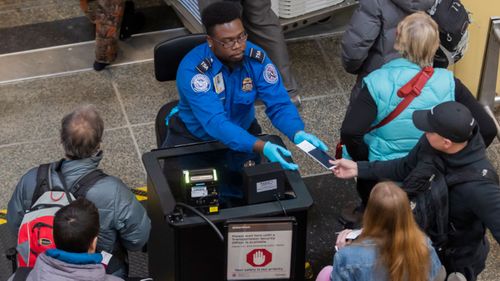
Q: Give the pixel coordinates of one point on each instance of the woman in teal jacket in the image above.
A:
(417, 41)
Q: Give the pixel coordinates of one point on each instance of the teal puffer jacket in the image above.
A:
(397, 138)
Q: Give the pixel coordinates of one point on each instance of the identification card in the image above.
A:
(317, 154)
(106, 257)
(219, 83)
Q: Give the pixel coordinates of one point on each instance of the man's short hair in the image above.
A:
(219, 13)
(81, 132)
(75, 226)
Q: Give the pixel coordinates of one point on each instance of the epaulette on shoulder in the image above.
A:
(257, 54)
(204, 65)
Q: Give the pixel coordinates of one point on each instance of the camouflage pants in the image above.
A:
(107, 16)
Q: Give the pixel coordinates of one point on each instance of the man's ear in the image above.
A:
(93, 246)
(447, 143)
(210, 41)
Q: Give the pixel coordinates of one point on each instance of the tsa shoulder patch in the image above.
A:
(270, 74)
(257, 54)
(200, 83)
(204, 65)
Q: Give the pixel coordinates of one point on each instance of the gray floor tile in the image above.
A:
(142, 96)
(331, 46)
(17, 159)
(33, 110)
(313, 75)
(146, 138)
(121, 158)
(493, 153)
(492, 271)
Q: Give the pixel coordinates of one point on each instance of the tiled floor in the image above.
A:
(129, 97)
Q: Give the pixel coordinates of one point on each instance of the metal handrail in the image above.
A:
(487, 88)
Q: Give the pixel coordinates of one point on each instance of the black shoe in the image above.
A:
(296, 100)
(98, 66)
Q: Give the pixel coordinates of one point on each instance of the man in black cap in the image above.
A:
(452, 136)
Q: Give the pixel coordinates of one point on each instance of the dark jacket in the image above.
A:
(474, 205)
(123, 220)
(368, 42)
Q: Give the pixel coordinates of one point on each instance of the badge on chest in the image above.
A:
(247, 85)
(219, 83)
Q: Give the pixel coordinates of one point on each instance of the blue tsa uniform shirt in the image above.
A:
(217, 103)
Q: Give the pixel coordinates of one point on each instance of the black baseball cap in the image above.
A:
(451, 120)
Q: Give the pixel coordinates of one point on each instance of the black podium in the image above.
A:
(189, 249)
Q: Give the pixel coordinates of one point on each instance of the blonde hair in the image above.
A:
(388, 220)
(417, 38)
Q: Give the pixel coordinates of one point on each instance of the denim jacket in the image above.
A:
(359, 262)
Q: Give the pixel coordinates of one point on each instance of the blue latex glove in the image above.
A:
(272, 152)
(301, 136)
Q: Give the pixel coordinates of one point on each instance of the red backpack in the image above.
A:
(35, 233)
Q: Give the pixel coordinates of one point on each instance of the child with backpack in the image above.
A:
(41, 191)
(76, 227)
(35, 234)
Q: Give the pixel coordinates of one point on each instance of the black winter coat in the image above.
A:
(474, 205)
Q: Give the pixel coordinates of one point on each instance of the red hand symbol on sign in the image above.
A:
(259, 257)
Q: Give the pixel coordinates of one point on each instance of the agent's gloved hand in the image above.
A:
(272, 152)
(301, 136)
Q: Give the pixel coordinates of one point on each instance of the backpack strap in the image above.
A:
(42, 182)
(63, 179)
(84, 184)
(22, 273)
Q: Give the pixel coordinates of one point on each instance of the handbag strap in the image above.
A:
(408, 92)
